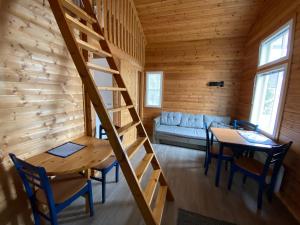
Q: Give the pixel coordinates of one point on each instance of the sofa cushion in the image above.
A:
(219, 125)
(217, 119)
(192, 120)
(170, 118)
(182, 131)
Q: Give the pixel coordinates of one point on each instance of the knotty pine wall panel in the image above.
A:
(41, 102)
(274, 14)
(189, 20)
(129, 74)
(41, 99)
(188, 67)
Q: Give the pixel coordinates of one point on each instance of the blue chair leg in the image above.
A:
(90, 194)
(272, 187)
(218, 174)
(207, 165)
(260, 196)
(205, 162)
(117, 172)
(53, 217)
(232, 172)
(219, 166)
(271, 192)
(244, 179)
(226, 165)
(103, 186)
(36, 216)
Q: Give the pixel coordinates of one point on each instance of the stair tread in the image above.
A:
(142, 167)
(117, 109)
(152, 183)
(103, 88)
(83, 28)
(133, 148)
(160, 203)
(127, 127)
(78, 11)
(101, 68)
(95, 50)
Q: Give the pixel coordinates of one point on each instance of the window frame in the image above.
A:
(146, 89)
(290, 23)
(274, 65)
(283, 66)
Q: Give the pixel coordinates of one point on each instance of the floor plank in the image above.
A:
(193, 191)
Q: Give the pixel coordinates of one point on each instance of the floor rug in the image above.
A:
(189, 218)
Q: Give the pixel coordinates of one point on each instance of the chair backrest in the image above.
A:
(275, 157)
(245, 125)
(103, 132)
(33, 178)
(209, 140)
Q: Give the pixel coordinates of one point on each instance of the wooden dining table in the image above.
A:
(231, 138)
(95, 152)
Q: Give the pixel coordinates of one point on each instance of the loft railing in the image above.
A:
(121, 26)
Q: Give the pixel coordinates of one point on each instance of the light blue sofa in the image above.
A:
(183, 129)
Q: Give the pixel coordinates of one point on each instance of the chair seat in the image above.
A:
(251, 165)
(215, 149)
(108, 162)
(63, 188)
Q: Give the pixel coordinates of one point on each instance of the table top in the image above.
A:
(96, 152)
(230, 136)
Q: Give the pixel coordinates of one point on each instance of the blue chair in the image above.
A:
(244, 125)
(212, 150)
(106, 166)
(258, 171)
(102, 132)
(56, 194)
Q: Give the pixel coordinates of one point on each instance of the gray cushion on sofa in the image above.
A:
(219, 125)
(182, 131)
(219, 119)
(170, 118)
(192, 120)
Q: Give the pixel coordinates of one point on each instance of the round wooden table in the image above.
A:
(96, 152)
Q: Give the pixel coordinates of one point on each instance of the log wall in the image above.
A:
(273, 15)
(188, 67)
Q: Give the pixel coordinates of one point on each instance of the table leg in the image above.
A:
(219, 166)
(87, 174)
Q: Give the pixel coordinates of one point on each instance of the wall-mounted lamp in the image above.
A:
(216, 84)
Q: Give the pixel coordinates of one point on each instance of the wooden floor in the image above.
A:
(193, 191)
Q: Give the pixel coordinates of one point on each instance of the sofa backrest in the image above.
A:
(170, 118)
(192, 120)
(217, 119)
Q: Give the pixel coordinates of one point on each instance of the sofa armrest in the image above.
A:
(156, 122)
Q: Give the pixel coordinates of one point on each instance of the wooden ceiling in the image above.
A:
(187, 20)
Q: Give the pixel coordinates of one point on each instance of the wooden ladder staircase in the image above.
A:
(71, 19)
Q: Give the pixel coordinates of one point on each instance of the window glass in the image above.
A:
(267, 95)
(275, 47)
(153, 89)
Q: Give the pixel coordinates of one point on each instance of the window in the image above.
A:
(154, 89)
(270, 83)
(275, 47)
(268, 89)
